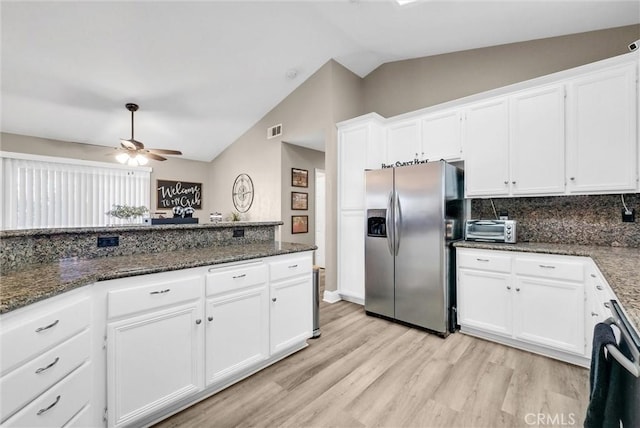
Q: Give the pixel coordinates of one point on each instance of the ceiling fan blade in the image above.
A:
(165, 151)
(131, 144)
(155, 157)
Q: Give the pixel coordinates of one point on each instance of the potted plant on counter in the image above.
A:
(127, 212)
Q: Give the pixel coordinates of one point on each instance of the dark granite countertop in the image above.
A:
(40, 281)
(619, 265)
(136, 227)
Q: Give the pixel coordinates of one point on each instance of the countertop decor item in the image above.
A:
(242, 193)
(126, 212)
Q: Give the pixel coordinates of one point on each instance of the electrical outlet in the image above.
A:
(629, 216)
(108, 241)
(238, 233)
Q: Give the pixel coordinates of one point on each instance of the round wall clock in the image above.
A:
(242, 193)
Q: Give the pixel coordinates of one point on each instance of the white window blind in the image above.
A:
(48, 192)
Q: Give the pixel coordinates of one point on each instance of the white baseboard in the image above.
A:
(353, 299)
(331, 296)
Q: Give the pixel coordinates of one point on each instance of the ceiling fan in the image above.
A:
(133, 153)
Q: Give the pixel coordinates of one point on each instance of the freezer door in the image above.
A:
(421, 296)
(379, 266)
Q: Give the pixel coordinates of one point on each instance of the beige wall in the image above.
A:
(310, 160)
(171, 169)
(405, 86)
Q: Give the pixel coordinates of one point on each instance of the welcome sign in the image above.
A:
(179, 194)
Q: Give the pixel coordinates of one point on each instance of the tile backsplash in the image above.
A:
(584, 220)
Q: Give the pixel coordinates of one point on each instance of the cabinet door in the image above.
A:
(550, 313)
(484, 301)
(486, 149)
(153, 360)
(237, 332)
(537, 142)
(403, 142)
(291, 312)
(442, 136)
(351, 233)
(352, 161)
(601, 133)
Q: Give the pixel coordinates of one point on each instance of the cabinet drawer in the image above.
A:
(290, 267)
(154, 295)
(221, 280)
(27, 382)
(58, 405)
(544, 267)
(484, 261)
(32, 336)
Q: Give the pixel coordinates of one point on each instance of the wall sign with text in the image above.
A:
(179, 194)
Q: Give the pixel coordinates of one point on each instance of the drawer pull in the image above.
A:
(593, 275)
(41, 369)
(594, 314)
(53, 324)
(517, 288)
(293, 266)
(198, 321)
(547, 266)
(240, 276)
(599, 287)
(210, 319)
(607, 305)
(41, 411)
(508, 287)
(482, 260)
(161, 291)
(274, 299)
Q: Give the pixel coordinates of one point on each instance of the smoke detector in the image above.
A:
(274, 131)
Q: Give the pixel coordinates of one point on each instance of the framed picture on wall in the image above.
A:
(299, 177)
(299, 224)
(299, 201)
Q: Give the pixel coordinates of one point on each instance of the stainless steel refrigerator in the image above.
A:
(413, 214)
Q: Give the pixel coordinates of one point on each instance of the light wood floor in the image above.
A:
(368, 372)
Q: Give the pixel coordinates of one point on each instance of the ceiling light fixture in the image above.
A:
(404, 2)
(133, 153)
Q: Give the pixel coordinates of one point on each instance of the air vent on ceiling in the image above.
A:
(274, 131)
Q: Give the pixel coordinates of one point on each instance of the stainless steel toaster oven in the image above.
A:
(491, 231)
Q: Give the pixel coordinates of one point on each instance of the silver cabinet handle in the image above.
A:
(53, 324)
(41, 411)
(274, 299)
(517, 288)
(210, 319)
(599, 287)
(547, 266)
(513, 182)
(506, 182)
(508, 287)
(293, 266)
(41, 369)
(593, 275)
(240, 276)
(198, 321)
(607, 305)
(572, 178)
(594, 314)
(161, 291)
(482, 260)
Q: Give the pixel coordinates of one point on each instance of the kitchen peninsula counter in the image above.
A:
(619, 265)
(35, 282)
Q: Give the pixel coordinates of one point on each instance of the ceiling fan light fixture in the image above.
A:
(141, 160)
(122, 157)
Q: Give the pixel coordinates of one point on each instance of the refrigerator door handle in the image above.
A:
(397, 222)
(388, 221)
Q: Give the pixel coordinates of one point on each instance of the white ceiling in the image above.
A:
(204, 72)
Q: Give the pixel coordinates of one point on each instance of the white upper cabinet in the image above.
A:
(537, 141)
(486, 149)
(601, 133)
(442, 136)
(360, 147)
(404, 142)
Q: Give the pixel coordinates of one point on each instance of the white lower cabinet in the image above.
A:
(533, 301)
(154, 359)
(237, 327)
(291, 302)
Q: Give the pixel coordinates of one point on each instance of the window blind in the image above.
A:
(49, 192)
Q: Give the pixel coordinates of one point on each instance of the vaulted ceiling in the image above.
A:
(204, 72)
